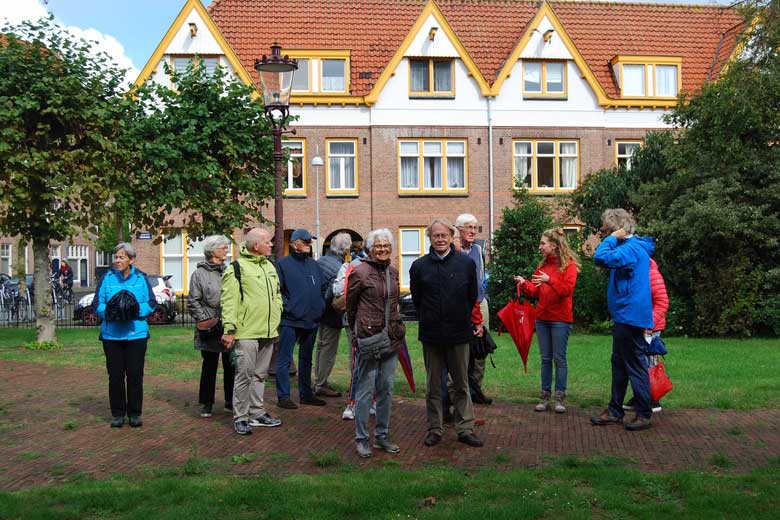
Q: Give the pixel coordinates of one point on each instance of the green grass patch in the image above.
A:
(327, 459)
(568, 488)
(707, 373)
(721, 460)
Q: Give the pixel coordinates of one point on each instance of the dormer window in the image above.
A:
(647, 76)
(324, 72)
(544, 79)
(431, 77)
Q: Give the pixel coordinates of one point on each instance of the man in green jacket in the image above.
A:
(251, 312)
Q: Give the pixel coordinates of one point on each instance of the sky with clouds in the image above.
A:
(127, 30)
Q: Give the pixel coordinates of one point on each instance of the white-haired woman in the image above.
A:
(204, 307)
(367, 298)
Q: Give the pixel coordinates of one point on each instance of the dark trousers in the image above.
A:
(629, 364)
(125, 365)
(208, 376)
(288, 336)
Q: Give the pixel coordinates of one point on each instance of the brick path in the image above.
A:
(54, 426)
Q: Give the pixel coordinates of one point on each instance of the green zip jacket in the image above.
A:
(259, 313)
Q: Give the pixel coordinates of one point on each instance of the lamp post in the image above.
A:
(317, 163)
(276, 76)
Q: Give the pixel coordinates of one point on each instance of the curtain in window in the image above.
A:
(210, 64)
(666, 80)
(333, 75)
(180, 64)
(442, 76)
(523, 171)
(419, 75)
(456, 172)
(554, 77)
(409, 173)
(532, 76)
(432, 172)
(633, 80)
(568, 165)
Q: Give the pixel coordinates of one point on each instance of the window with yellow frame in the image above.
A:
(545, 79)
(341, 166)
(546, 165)
(412, 244)
(431, 166)
(431, 77)
(296, 167)
(624, 152)
(180, 261)
(648, 76)
(320, 72)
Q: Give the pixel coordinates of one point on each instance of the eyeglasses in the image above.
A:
(440, 236)
(470, 228)
(382, 246)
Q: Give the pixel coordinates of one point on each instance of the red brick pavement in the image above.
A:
(54, 426)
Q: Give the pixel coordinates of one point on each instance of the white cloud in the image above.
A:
(16, 11)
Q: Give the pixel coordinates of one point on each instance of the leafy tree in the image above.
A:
(60, 108)
(200, 156)
(606, 188)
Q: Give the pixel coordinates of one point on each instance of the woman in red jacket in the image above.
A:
(553, 284)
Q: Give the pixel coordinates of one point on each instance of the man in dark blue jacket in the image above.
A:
(631, 306)
(444, 290)
(303, 297)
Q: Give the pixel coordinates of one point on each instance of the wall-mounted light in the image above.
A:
(479, 140)
(432, 33)
(193, 29)
(609, 142)
(501, 141)
(365, 140)
(547, 36)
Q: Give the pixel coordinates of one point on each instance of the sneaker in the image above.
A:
(363, 449)
(205, 410)
(313, 401)
(264, 420)
(349, 413)
(638, 423)
(432, 439)
(135, 421)
(242, 428)
(386, 445)
(559, 407)
(544, 403)
(629, 405)
(470, 439)
(605, 418)
(372, 410)
(118, 421)
(656, 406)
(288, 404)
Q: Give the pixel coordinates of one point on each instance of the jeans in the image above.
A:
(125, 366)
(629, 364)
(553, 338)
(208, 376)
(288, 336)
(375, 378)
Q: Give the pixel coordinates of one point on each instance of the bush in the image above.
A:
(590, 295)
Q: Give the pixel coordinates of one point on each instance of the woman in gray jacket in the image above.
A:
(204, 307)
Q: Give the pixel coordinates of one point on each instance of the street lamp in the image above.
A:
(276, 76)
(317, 163)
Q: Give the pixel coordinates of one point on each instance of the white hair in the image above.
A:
(465, 218)
(378, 233)
(444, 222)
(340, 243)
(127, 248)
(212, 243)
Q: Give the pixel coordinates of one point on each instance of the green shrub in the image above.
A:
(590, 295)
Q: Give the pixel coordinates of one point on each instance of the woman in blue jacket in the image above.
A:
(124, 341)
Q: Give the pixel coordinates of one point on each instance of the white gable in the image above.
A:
(203, 43)
(537, 48)
(440, 46)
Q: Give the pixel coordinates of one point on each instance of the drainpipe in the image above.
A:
(490, 170)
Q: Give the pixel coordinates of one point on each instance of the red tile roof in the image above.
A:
(373, 30)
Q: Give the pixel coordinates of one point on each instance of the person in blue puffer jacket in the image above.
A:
(124, 342)
(627, 257)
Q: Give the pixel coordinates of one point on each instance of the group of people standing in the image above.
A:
(244, 308)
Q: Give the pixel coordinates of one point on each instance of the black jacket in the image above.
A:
(444, 291)
(330, 265)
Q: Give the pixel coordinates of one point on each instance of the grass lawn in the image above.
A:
(568, 488)
(720, 373)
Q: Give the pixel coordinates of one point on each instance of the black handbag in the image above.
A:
(122, 307)
(482, 347)
(379, 346)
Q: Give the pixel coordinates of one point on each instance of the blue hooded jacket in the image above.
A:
(628, 294)
(303, 291)
(138, 285)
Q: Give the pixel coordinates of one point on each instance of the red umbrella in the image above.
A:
(406, 364)
(518, 317)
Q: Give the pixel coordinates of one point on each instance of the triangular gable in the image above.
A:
(533, 32)
(176, 26)
(417, 31)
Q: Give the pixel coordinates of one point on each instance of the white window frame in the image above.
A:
(626, 157)
(6, 254)
(75, 255)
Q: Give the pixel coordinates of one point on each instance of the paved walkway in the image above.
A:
(54, 427)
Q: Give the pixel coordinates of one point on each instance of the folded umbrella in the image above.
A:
(518, 317)
(406, 365)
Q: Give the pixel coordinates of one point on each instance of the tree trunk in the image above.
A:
(44, 313)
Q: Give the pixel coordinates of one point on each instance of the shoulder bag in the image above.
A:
(378, 346)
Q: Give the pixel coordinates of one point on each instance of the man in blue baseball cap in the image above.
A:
(303, 295)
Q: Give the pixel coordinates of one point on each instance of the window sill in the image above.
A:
(418, 194)
(342, 195)
(295, 195)
(545, 98)
(423, 95)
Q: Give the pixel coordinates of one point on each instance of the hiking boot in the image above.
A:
(638, 423)
(544, 402)
(312, 401)
(363, 449)
(288, 404)
(327, 391)
(559, 407)
(432, 439)
(135, 421)
(470, 439)
(117, 421)
(205, 410)
(629, 406)
(349, 413)
(242, 428)
(656, 406)
(605, 418)
(265, 420)
(386, 445)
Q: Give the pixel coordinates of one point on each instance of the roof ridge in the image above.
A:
(641, 4)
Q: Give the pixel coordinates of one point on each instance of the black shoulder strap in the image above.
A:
(237, 274)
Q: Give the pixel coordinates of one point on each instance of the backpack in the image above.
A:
(237, 274)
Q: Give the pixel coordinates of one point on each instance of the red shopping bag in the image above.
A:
(660, 384)
(518, 317)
